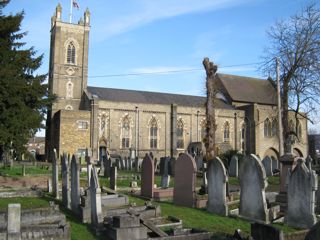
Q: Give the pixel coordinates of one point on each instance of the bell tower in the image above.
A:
(68, 72)
(68, 65)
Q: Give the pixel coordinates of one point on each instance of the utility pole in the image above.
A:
(279, 109)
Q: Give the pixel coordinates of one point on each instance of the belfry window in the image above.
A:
(71, 54)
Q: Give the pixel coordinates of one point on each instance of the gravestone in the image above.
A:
(65, 181)
(309, 161)
(14, 222)
(136, 164)
(55, 176)
(95, 198)
(172, 166)
(199, 162)
(102, 165)
(253, 205)
(122, 163)
(314, 232)
(107, 167)
(261, 231)
(89, 165)
(234, 166)
(184, 192)
(75, 185)
(147, 177)
(217, 179)
(49, 185)
(164, 172)
(113, 178)
(126, 167)
(23, 170)
(275, 164)
(302, 184)
(267, 163)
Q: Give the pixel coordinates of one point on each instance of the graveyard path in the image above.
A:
(23, 182)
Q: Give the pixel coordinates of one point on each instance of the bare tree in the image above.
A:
(211, 71)
(296, 42)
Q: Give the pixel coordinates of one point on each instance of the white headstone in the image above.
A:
(14, 221)
(95, 198)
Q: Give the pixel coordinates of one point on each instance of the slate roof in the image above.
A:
(249, 90)
(123, 95)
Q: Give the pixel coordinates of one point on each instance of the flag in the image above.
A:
(75, 4)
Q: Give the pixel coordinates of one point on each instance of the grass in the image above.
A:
(26, 202)
(16, 171)
(233, 181)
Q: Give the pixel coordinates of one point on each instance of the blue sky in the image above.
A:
(139, 36)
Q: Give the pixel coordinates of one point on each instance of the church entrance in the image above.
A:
(102, 149)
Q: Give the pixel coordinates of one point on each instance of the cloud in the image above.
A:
(149, 11)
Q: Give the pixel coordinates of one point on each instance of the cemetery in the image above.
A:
(158, 200)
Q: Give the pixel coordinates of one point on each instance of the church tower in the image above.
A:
(68, 65)
(68, 72)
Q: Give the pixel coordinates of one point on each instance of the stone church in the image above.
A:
(124, 121)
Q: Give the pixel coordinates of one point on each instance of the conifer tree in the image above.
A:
(24, 96)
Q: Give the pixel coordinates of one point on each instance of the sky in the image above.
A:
(167, 39)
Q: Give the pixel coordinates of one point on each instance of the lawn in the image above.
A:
(16, 171)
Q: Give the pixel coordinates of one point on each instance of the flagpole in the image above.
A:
(70, 19)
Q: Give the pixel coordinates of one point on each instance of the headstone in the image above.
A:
(199, 162)
(275, 164)
(217, 179)
(136, 164)
(89, 165)
(147, 177)
(184, 192)
(302, 184)
(309, 161)
(23, 170)
(267, 163)
(126, 167)
(234, 166)
(102, 164)
(164, 172)
(65, 181)
(261, 231)
(107, 167)
(113, 178)
(49, 185)
(75, 185)
(314, 232)
(95, 198)
(121, 163)
(253, 205)
(172, 167)
(130, 163)
(55, 174)
(14, 222)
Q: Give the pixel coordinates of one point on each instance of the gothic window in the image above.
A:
(226, 132)
(71, 54)
(267, 128)
(125, 133)
(103, 125)
(243, 137)
(153, 133)
(274, 127)
(180, 134)
(69, 90)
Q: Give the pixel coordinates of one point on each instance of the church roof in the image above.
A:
(123, 95)
(249, 90)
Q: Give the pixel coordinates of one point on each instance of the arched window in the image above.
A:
(226, 132)
(103, 125)
(153, 133)
(299, 129)
(274, 127)
(71, 54)
(180, 134)
(267, 128)
(125, 133)
(69, 91)
(243, 137)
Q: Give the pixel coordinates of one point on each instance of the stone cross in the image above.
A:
(184, 192)
(147, 177)
(65, 175)
(217, 179)
(75, 185)
(95, 198)
(302, 184)
(55, 174)
(253, 182)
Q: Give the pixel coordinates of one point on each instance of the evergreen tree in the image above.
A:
(24, 97)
